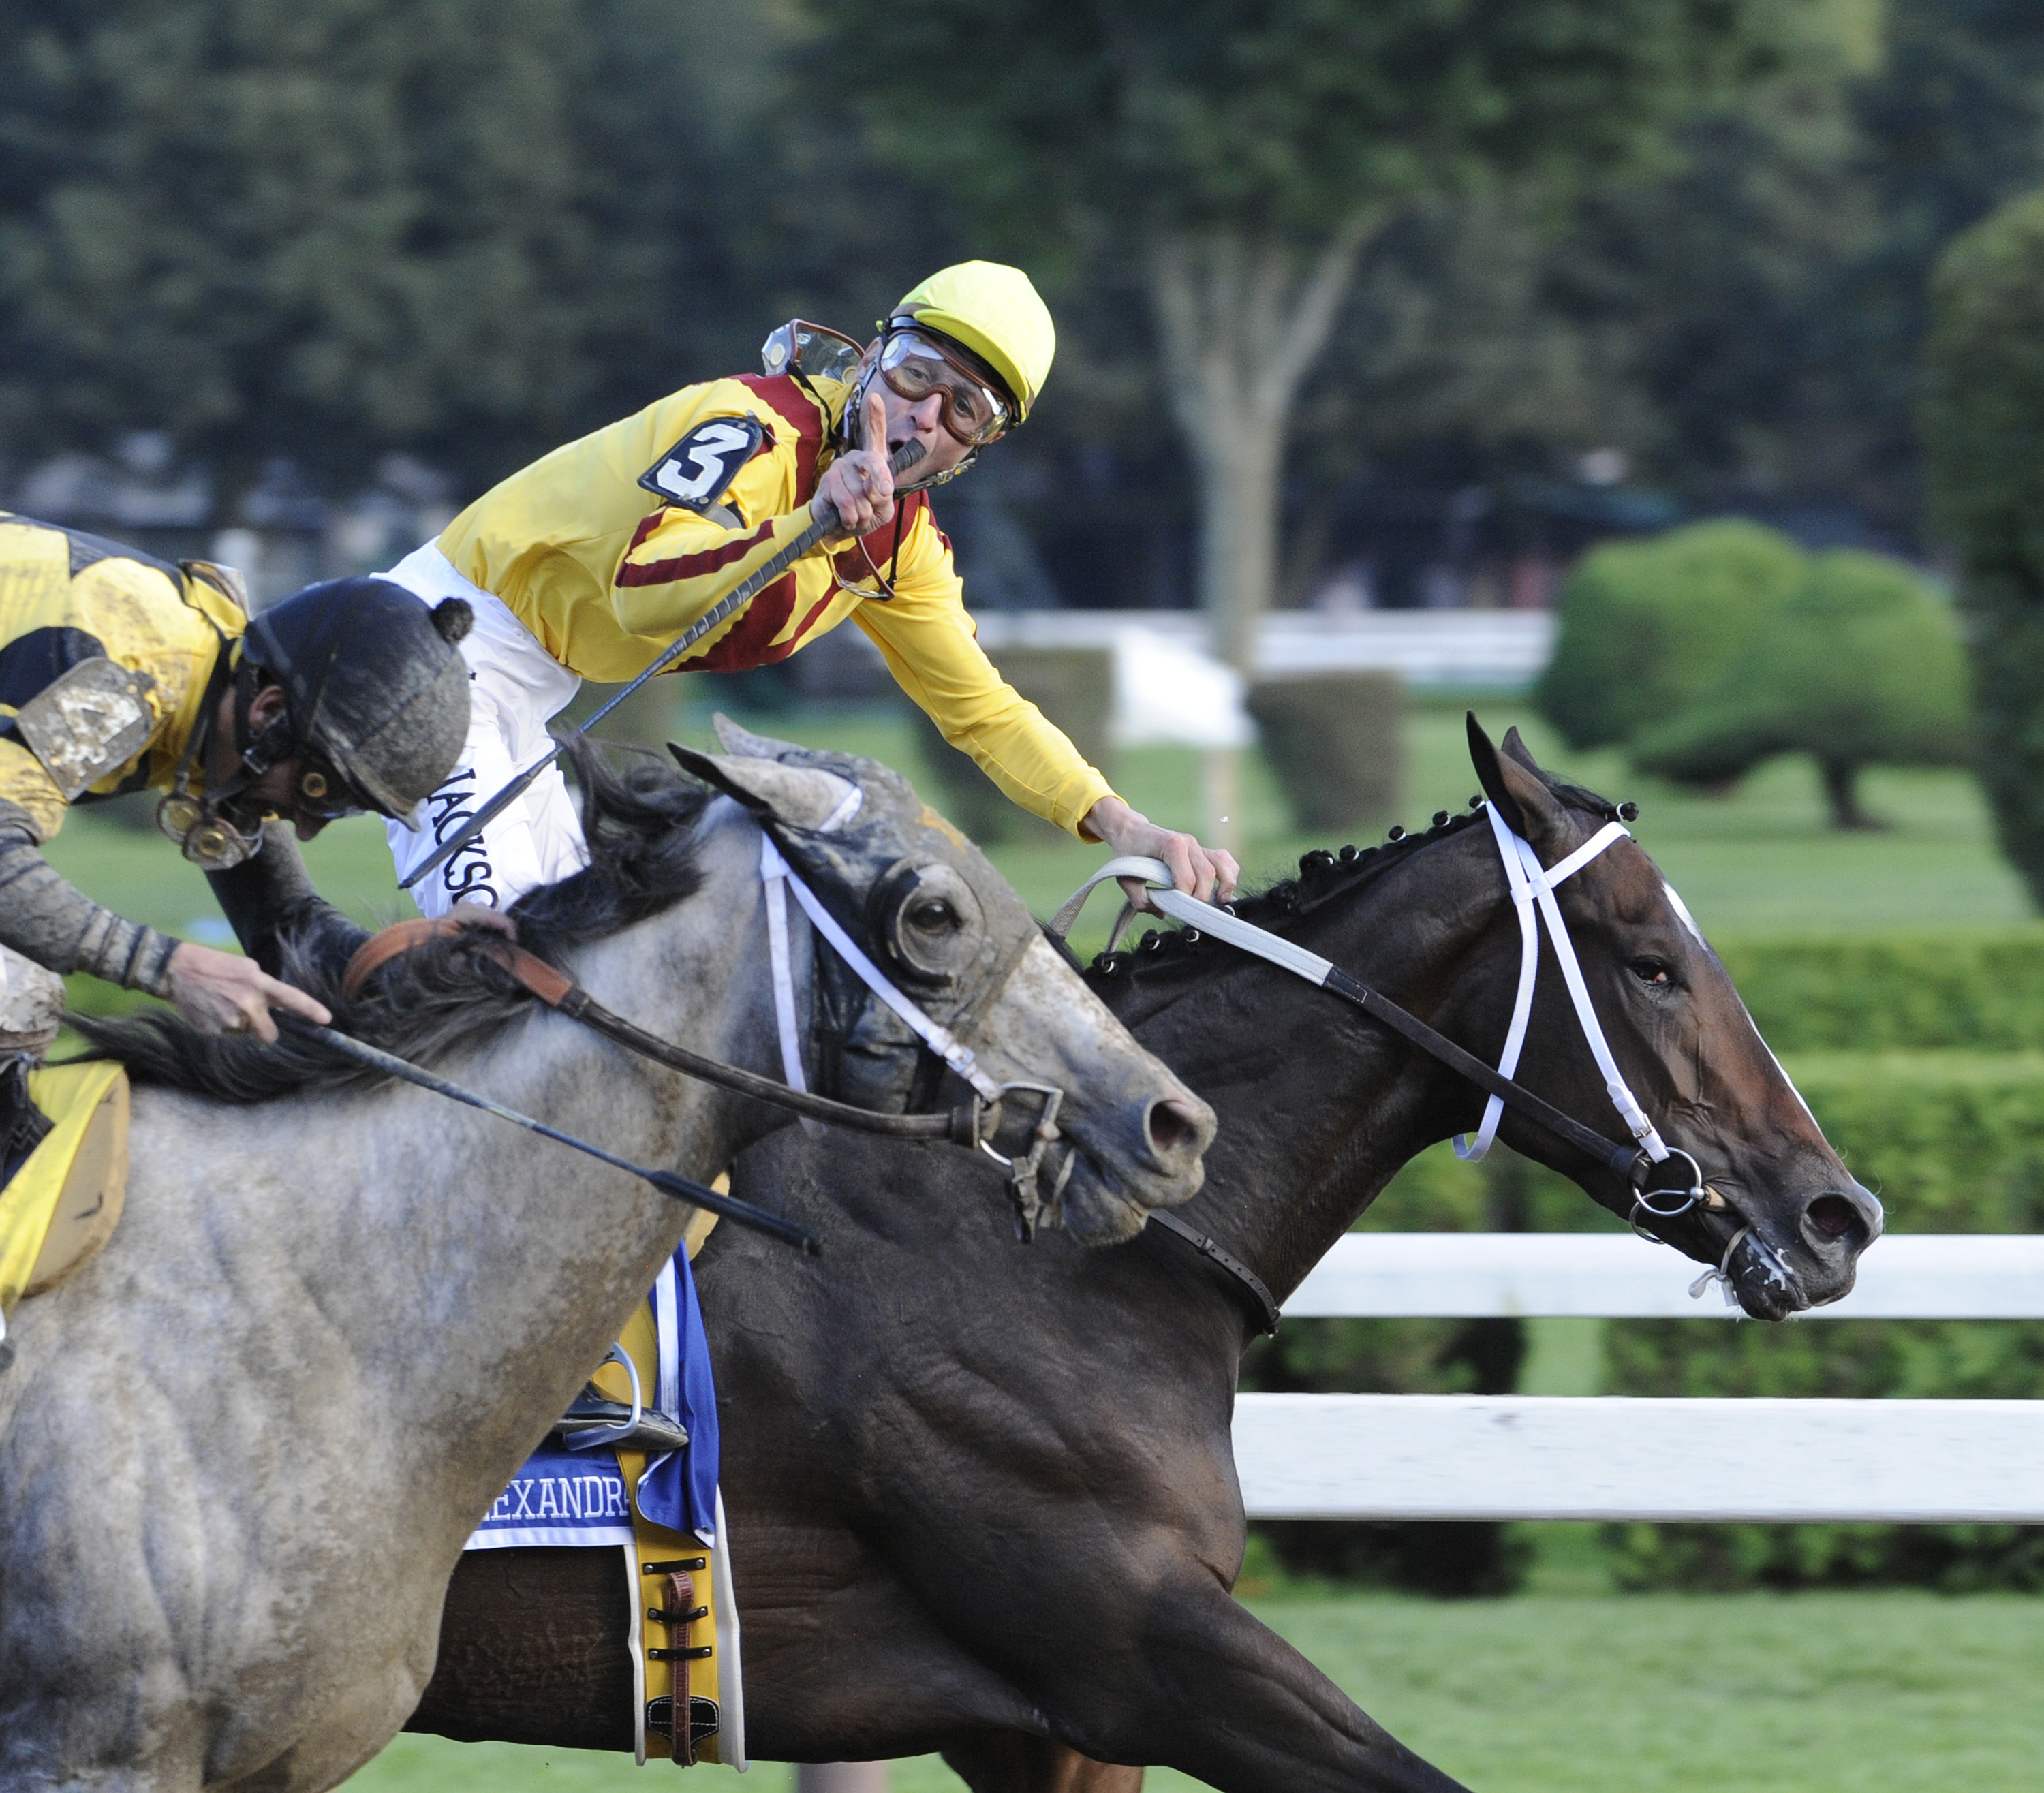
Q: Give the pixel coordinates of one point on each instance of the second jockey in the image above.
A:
(591, 562)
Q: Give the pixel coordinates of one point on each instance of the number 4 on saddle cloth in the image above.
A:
(582, 1489)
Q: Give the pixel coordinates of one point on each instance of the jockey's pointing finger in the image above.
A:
(875, 438)
(274, 994)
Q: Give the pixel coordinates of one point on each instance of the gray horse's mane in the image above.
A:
(640, 819)
(1322, 876)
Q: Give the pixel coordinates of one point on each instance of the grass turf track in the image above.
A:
(1844, 1693)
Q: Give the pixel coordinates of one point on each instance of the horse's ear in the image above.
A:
(1513, 781)
(744, 744)
(802, 797)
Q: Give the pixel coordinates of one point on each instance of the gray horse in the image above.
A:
(241, 1452)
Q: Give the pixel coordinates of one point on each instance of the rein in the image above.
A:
(963, 1126)
(972, 1124)
(1532, 887)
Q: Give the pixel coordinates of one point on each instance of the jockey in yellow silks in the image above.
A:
(591, 562)
(121, 673)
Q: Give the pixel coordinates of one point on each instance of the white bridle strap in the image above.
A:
(1203, 918)
(1532, 886)
(775, 871)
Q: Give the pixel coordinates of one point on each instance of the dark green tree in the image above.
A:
(1862, 667)
(1648, 628)
(336, 227)
(1241, 157)
(1984, 440)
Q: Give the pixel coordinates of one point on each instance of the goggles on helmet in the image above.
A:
(915, 365)
(321, 793)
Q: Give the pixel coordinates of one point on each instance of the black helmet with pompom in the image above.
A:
(373, 683)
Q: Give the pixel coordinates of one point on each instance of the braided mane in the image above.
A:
(1322, 878)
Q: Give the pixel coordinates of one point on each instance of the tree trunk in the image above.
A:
(1243, 319)
(1841, 791)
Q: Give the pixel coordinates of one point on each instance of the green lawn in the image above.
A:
(1859, 1693)
(1760, 863)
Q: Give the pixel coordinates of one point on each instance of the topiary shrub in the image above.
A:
(1862, 666)
(1335, 745)
(1983, 423)
(1648, 626)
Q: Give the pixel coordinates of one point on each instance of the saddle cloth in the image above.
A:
(563, 1498)
(62, 1205)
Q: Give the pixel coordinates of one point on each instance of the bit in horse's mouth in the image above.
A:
(1767, 1288)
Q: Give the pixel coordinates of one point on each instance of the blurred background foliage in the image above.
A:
(1716, 646)
(348, 228)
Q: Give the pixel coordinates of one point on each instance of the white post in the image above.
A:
(841, 1777)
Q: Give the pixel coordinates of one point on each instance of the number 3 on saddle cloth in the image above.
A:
(664, 1511)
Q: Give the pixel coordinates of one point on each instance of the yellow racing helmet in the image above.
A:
(993, 311)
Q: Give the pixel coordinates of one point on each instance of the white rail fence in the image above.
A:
(1413, 1457)
(1446, 1456)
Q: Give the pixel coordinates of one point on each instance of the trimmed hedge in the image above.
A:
(1981, 993)
(1648, 626)
(1335, 743)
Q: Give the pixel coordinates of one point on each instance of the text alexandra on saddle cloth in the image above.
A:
(596, 1485)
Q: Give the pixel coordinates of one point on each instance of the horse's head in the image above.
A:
(1781, 1213)
(927, 907)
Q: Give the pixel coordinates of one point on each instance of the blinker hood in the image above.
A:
(864, 853)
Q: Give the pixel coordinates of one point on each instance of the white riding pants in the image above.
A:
(515, 687)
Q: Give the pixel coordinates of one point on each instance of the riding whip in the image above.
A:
(905, 457)
(680, 1188)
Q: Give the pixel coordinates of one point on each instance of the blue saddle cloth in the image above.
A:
(565, 1496)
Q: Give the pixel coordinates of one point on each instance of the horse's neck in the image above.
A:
(1320, 1107)
(468, 1273)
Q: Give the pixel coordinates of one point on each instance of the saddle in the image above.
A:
(64, 1144)
(64, 1202)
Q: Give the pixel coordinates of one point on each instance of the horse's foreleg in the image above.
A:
(1013, 1762)
(1189, 1679)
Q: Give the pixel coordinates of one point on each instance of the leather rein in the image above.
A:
(971, 1124)
(1531, 889)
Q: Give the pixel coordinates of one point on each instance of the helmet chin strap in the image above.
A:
(202, 826)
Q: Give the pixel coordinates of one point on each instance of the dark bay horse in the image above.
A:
(1004, 1526)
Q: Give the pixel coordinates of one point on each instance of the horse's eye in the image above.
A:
(934, 917)
(1650, 970)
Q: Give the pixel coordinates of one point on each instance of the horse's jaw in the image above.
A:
(1133, 1136)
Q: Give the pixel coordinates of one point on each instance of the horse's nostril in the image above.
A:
(1173, 1126)
(1831, 1216)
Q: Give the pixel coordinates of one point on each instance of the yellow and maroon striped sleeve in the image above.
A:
(933, 650)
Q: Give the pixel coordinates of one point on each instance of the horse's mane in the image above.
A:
(641, 821)
(1322, 875)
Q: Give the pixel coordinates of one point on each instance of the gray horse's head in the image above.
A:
(930, 910)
